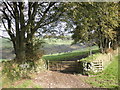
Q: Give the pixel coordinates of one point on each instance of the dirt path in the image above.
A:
(51, 79)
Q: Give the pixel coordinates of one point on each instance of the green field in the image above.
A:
(5, 43)
(69, 55)
(51, 46)
(108, 78)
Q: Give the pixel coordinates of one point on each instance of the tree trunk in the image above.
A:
(20, 50)
(29, 46)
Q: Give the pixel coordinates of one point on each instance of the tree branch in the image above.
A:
(22, 23)
(29, 14)
(44, 15)
(16, 20)
(9, 10)
(8, 31)
(55, 19)
(5, 37)
(35, 6)
(4, 25)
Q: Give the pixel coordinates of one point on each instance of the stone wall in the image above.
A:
(96, 63)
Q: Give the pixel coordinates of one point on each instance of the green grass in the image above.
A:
(21, 83)
(24, 84)
(69, 55)
(4, 60)
(108, 78)
(91, 57)
(6, 82)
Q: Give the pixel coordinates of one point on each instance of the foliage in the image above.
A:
(36, 53)
(108, 78)
(94, 21)
(14, 70)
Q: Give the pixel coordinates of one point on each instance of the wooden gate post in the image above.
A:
(47, 64)
(60, 65)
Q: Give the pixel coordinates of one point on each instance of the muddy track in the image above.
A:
(52, 79)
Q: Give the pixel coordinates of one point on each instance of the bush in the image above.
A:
(14, 70)
(33, 49)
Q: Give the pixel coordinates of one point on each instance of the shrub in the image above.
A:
(14, 70)
(33, 49)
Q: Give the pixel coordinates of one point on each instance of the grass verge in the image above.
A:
(108, 78)
(22, 84)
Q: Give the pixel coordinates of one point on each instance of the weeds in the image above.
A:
(13, 71)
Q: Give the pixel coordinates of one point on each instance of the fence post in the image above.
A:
(47, 64)
(61, 66)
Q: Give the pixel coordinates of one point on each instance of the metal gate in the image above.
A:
(63, 66)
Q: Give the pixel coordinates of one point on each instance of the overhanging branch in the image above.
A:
(9, 10)
(44, 15)
(4, 25)
(5, 37)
